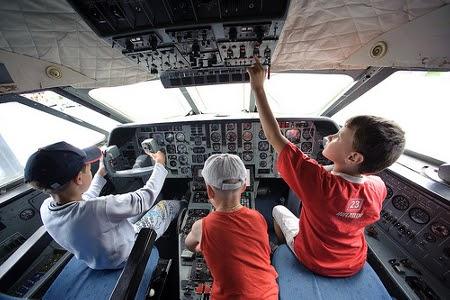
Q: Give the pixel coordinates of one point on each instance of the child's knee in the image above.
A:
(276, 211)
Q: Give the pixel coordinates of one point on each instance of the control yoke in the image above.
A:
(112, 161)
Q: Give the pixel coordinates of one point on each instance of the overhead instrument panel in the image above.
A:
(191, 42)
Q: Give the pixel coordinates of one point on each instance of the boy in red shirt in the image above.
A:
(338, 201)
(233, 238)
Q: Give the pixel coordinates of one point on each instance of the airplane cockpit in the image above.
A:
(139, 76)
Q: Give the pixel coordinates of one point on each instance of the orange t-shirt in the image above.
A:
(335, 209)
(236, 249)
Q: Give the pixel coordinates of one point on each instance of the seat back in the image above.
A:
(297, 282)
(78, 281)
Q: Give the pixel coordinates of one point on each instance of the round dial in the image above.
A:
(214, 127)
(183, 159)
(307, 133)
(306, 146)
(263, 164)
(419, 215)
(261, 135)
(216, 147)
(293, 135)
(26, 214)
(263, 146)
(180, 136)
(231, 137)
(215, 137)
(440, 230)
(247, 156)
(230, 126)
(263, 155)
(247, 136)
(181, 148)
(169, 137)
(400, 202)
(390, 192)
(247, 146)
(247, 126)
(232, 147)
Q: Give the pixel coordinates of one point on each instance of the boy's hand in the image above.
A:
(257, 75)
(101, 167)
(158, 157)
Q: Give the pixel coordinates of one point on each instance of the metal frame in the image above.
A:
(81, 96)
(366, 81)
(189, 99)
(25, 101)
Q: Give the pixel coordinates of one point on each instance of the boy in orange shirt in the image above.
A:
(233, 238)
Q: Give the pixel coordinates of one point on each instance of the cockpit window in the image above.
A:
(304, 94)
(418, 101)
(221, 98)
(71, 108)
(23, 130)
(144, 102)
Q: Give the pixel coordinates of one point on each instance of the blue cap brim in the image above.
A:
(93, 154)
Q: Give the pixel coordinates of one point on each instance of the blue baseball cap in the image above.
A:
(56, 164)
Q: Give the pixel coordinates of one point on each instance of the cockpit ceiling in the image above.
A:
(316, 35)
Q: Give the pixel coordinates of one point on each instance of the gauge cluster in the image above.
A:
(188, 144)
(416, 221)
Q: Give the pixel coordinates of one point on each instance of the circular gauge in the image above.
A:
(400, 202)
(180, 136)
(216, 147)
(26, 214)
(247, 146)
(247, 156)
(173, 163)
(293, 135)
(440, 230)
(308, 133)
(263, 155)
(263, 164)
(390, 192)
(247, 126)
(231, 137)
(183, 159)
(263, 146)
(419, 215)
(232, 147)
(169, 137)
(306, 147)
(230, 126)
(215, 137)
(429, 237)
(181, 148)
(247, 136)
(261, 135)
(214, 127)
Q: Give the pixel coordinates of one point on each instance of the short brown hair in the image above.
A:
(380, 141)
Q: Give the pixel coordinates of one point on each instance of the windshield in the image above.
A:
(418, 101)
(287, 93)
(144, 102)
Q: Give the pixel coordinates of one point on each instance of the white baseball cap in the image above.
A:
(220, 168)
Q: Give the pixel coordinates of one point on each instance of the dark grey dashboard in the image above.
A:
(188, 144)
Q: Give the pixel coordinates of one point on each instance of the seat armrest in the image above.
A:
(130, 278)
(23, 257)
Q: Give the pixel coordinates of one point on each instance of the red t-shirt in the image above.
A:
(335, 209)
(236, 249)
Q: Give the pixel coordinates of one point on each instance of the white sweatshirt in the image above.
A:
(97, 230)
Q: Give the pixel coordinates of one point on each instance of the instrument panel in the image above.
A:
(188, 144)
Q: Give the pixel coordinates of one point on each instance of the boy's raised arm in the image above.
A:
(268, 121)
